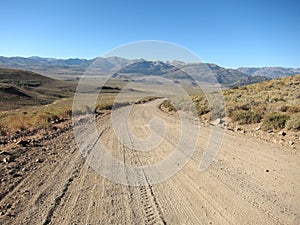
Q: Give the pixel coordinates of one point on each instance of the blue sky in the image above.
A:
(228, 33)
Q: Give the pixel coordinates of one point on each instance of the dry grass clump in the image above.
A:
(21, 121)
(169, 106)
(33, 118)
(294, 122)
(201, 104)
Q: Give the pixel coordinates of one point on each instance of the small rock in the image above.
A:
(291, 143)
(282, 133)
(4, 153)
(23, 143)
(238, 129)
(3, 142)
(38, 160)
(267, 170)
(269, 131)
(6, 160)
(216, 122)
(257, 128)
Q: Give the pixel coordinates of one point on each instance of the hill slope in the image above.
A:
(20, 88)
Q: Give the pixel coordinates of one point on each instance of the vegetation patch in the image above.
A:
(246, 117)
(169, 106)
(275, 121)
(293, 123)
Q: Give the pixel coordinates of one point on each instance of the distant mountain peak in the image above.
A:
(118, 65)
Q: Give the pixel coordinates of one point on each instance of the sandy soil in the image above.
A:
(250, 182)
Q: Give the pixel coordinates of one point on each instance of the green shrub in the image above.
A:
(234, 107)
(293, 123)
(202, 109)
(246, 117)
(274, 121)
(168, 105)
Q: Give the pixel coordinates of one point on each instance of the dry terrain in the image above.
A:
(251, 181)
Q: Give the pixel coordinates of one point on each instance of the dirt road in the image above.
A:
(250, 182)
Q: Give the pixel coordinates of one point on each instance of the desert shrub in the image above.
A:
(283, 108)
(43, 120)
(274, 121)
(146, 99)
(198, 98)
(107, 106)
(202, 109)
(240, 106)
(85, 109)
(19, 122)
(66, 113)
(246, 117)
(3, 131)
(293, 123)
(168, 105)
(293, 109)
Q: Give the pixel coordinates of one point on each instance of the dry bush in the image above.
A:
(293, 123)
(168, 105)
(274, 121)
(246, 117)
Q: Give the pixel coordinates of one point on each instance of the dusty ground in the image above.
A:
(250, 182)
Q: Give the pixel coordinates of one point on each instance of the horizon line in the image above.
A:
(92, 58)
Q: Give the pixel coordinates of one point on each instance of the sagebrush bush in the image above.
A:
(274, 121)
(168, 105)
(246, 117)
(293, 123)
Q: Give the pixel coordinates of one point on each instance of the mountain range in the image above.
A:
(127, 69)
(271, 72)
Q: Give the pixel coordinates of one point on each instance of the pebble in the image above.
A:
(6, 160)
(282, 133)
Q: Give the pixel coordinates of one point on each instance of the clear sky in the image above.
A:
(228, 33)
